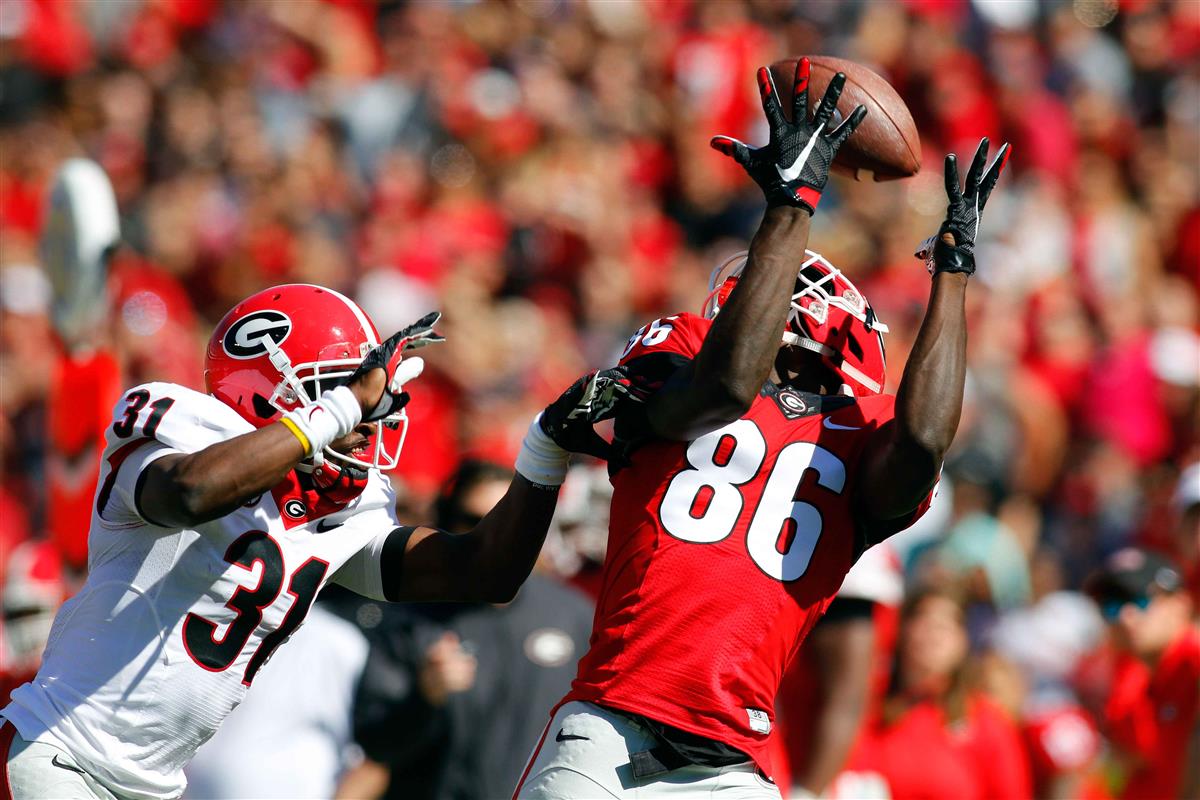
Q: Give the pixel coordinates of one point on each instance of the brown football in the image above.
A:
(886, 145)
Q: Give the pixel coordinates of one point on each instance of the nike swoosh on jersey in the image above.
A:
(324, 526)
(566, 737)
(833, 426)
(791, 173)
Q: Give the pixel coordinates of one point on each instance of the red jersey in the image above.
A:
(723, 552)
(877, 578)
(1151, 714)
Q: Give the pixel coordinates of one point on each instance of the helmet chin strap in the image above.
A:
(795, 340)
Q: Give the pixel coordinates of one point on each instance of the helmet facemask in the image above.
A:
(302, 384)
(820, 286)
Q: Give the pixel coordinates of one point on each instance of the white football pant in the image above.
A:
(584, 753)
(37, 771)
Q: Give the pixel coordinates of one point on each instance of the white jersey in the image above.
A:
(169, 630)
(293, 737)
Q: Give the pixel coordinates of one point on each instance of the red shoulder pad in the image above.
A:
(681, 334)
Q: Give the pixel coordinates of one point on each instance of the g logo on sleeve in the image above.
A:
(244, 339)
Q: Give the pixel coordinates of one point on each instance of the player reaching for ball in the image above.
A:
(752, 478)
(220, 516)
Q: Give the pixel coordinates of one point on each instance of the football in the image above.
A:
(886, 145)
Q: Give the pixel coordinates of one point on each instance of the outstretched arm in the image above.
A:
(491, 561)
(903, 459)
(719, 385)
(487, 564)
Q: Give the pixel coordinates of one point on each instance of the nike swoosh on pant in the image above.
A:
(65, 765)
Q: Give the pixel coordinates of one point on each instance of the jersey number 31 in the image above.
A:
(703, 503)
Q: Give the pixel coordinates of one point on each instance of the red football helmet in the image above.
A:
(829, 316)
(280, 348)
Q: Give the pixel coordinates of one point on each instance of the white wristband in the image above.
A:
(541, 461)
(330, 418)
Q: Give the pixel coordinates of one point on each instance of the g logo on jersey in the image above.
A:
(295, 508)
(244, 339)
(792, 404)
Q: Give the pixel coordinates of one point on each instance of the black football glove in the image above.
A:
(593, 398)
(963, 212)
(794, 165)
(387, 356)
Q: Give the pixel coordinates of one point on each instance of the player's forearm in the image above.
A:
(740, 347)
(929, 403)
(202, 486)
(487, 564)
(836, 731)
(902, 465)
(736, 358)
(510, 538)
(929, 399)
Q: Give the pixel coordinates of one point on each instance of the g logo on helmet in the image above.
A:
(244, 339)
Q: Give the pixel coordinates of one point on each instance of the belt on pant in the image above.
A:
(667, 755)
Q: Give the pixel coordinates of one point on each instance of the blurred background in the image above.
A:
(539, 170)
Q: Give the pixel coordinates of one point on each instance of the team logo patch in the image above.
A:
(295, 509)
(792, 404)
(245, 338)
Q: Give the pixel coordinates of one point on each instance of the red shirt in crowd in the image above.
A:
(1151, 713)
(922, 756)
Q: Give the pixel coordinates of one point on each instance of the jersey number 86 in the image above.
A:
(703, 503)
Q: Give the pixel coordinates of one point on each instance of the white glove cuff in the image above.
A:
(541, 461)
(330, 418)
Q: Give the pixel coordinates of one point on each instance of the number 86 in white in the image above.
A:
(777, 516)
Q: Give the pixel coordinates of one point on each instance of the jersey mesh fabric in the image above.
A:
(694, 625)
(122, 687)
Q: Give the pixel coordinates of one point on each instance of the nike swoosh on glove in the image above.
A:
(963, 212)
(793, 167)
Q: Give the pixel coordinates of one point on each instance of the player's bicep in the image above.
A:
(653, 377)
(122, 497)
(429, 564)
(894, 486)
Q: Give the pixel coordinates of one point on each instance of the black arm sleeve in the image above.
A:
(391, 562)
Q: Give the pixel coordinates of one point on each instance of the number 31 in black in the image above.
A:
(137, 401)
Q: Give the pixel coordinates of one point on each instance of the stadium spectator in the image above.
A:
(1152, 706)
(936, 736)
(539, 170)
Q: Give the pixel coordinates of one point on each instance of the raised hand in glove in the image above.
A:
(595, 397)
(396, 370)
(566, 425)
(952, 248)
(793, 166)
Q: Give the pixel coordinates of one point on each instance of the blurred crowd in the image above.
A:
(539, 170)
